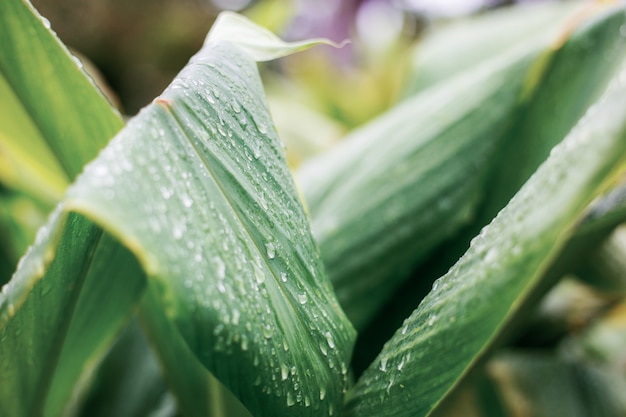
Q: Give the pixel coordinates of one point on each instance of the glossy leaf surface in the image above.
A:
(473, 302)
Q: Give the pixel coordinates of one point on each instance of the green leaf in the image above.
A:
(55, 120)
(437, 167)
(37, 306)
(393, 190)
(197, 188)
(562, 96)
(472, 41)
(259, 43)
(472, 304)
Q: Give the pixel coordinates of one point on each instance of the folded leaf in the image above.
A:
(197, 188)
(469, 307)
(390, 192)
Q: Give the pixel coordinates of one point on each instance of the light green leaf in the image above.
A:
(472, 41)
(197, 188)
(259, 43)
(469, 307)
(53, 121)
(69, 120)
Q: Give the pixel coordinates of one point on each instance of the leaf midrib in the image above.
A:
(170, 111)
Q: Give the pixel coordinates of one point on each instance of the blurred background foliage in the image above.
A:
(576, 342)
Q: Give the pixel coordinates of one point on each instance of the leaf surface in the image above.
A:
(390, 192)
(197, 188)
(51, 87)
(475, 300)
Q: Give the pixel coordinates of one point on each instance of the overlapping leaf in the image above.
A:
(470, 305)
(197, 188)
(399, 187)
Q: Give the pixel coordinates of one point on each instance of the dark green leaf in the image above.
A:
(471, 305)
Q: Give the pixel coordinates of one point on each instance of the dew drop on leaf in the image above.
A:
(329, 339)
(302, 298)
(322, 393)
(271, 250)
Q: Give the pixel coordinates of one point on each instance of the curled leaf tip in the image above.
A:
(258, 42)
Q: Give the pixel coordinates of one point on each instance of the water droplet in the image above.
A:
(284, 371)
(271, 250)
(322, 393)
(431, 319)
(178, 231)
(491, 255)
(45, 22)
(267, 331)
(283, 277)
(259, 275)
(291, 400)
(220, 268)
(324, 349)
(236, 316)
(383, 364)
(302, 298)
(401, 364)
(329, 339)
(307, 401)
(166, 193)
(187, 201)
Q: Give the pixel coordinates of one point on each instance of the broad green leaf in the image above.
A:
(596, 50)
(394, 191)
(382, 199)
(37, 305)
(220, 232)
(55, 120)
(477, 39)
(471, 305)
(259, 43)
(197, 188)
